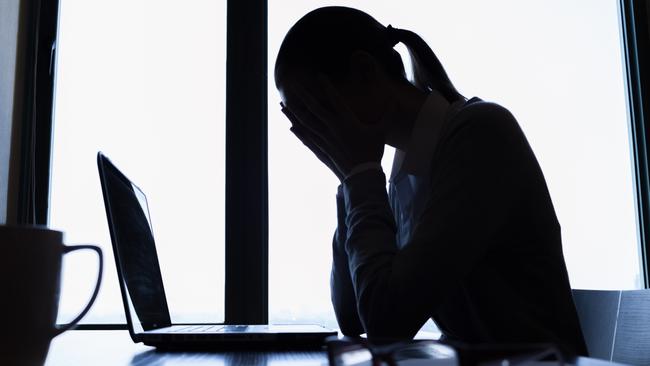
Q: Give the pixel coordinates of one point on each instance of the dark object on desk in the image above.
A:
(616, 324)
(509, 354)
(142, 287)
(350, 351)
(30, 280)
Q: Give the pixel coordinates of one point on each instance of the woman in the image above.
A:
(467, 234)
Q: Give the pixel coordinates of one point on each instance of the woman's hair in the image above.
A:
(324, 40)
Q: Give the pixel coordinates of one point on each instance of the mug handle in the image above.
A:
(70, 248)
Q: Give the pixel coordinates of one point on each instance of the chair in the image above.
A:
(615, 324)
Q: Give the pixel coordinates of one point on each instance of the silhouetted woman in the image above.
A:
(466, 234)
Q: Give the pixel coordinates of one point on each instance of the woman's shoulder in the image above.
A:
(490, 117)
(478, 109)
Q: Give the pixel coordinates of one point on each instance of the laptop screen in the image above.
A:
(135, 249)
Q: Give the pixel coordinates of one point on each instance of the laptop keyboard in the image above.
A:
(197, 329)
(215, 328)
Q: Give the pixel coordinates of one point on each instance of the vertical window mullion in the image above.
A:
(246, 163)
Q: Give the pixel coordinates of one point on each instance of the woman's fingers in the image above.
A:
(299, 114)
(313, 101)
(324, 102)
(290, 115)
(323, 145)
(301, 134)
(306, 126)
(327, 117)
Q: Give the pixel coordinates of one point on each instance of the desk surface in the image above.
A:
(115, 348)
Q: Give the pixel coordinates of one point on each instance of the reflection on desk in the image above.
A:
(307, 358)
(115, 348)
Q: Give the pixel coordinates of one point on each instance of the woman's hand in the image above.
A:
(308, 138)
(327, 126)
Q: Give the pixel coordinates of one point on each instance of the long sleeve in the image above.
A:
(343, 297)
(474, 187)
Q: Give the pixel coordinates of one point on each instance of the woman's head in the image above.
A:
(324, 40)
(356, 53)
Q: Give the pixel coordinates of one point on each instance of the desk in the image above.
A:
(115, 348)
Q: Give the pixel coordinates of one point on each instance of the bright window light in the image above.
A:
(144, 82)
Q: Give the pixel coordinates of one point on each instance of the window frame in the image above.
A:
(246, 164)
(246, 238)
(29, 183)
(636, 46)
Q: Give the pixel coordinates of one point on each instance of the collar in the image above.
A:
(425, 136)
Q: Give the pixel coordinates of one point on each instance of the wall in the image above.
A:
(9, 10)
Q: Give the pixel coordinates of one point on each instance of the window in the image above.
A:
(158, 70)
(144, 82)
(558, 67)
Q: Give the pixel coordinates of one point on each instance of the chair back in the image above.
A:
(615, 324)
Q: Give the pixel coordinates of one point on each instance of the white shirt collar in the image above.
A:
(416, 160)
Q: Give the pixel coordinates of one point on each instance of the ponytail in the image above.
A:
(428, 73)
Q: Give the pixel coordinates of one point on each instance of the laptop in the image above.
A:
(141, 284)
